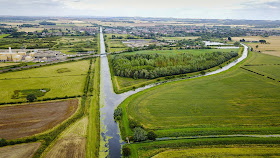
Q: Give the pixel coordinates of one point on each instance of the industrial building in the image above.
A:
(10, 56)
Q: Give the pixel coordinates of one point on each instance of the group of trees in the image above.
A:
(151, 66)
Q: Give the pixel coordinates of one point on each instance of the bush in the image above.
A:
(133, 124)
(151, 135)
(139, 134)
(126, 151)
(118, 113)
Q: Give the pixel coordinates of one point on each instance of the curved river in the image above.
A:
(111, 142)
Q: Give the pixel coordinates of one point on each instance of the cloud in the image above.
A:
(252, 9)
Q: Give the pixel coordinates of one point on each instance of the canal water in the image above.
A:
(111, 142)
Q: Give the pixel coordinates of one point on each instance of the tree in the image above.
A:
(31, 97)
(139, 134)
(236, 43)
(126, 151)
(151, 135)
(257, 46)
(229, 38)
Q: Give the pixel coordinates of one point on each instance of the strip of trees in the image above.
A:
(150, 66)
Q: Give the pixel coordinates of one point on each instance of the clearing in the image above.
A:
(25, 120)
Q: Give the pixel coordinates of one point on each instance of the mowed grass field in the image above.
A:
(24, 120)
(60, 83)
(273, 48)
(233, 102)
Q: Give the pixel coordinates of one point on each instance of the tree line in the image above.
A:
(150, 66)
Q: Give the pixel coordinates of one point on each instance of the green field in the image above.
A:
(60, 84)
(123, 84)
(207, 147)
(71, 45)
(179, 38)
(115, 45)
(195, 51)
(226, 151)
(227, 103)
(4, 35)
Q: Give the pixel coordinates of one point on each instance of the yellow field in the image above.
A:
(72, 142)
(30, 29)
(21, 150)
(272, 48)
(7, 64)
(226, 151)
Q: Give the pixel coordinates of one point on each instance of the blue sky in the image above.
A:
(208, 9)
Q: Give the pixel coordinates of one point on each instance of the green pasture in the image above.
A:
(4, 35)
(234, 102)
(60, 84)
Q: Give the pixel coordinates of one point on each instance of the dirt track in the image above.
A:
(29, 119)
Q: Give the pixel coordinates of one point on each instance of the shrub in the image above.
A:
(126, 151)
(118, 113)
(139, 134)
(151, 135)
(133, 124)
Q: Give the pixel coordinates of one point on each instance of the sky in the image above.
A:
(197, 9)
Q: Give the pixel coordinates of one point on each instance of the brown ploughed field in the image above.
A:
(29, 119)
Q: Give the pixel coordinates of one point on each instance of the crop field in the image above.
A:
(72, 142)
(207, 147)
(227, 103)
(59, 83)
(29, 119)
(226, 151)
(21, 150)
(272, 48)
(7, 64)
(72, 45)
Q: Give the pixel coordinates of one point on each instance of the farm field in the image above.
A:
(72, 45)
(26, 120)
(65, 79)
(122, 84)
(179, 38)
(72, 142)
(228, 103)
(4, 35)
(7, 64)
(21, 150)
(206, 147)
(226, 151)
(273, 48)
